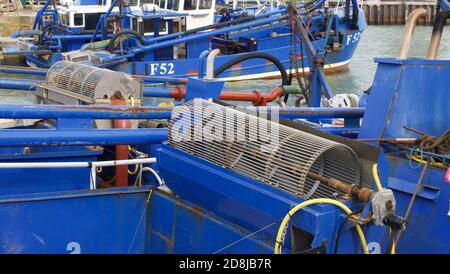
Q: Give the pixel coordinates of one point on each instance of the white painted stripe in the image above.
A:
(277, 73)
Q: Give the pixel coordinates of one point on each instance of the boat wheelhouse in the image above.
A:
(200, 12)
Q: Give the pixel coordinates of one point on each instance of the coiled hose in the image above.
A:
(254, 55)
(47, 29)
(282, 230)
(118, 34)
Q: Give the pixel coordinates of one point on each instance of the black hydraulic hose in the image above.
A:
(355, 17)
(439, 23)
(254, 55)
(347, 11)
(116, 35)
(221, 25)
(48, 28)
(338, 235)
(438, 28)
(340, 230)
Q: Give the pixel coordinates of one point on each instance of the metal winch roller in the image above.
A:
(273, 154)
(71, 83)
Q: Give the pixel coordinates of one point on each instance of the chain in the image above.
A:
(301, 79)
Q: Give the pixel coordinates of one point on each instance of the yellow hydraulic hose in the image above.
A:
(280, 234)
(380, 187)
(438, 165)
(136, 167)
(376, 177)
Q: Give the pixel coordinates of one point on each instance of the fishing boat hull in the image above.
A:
(336, 60)
(132, 220)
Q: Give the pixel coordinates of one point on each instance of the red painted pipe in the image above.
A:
(257, 98)
(121, 150)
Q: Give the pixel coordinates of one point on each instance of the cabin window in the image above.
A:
(162, 4)
(134, 24)
(65, 19)
(190, 4)
(78, 19)
(205, 4)
(132, 3)
(91, 20)
(172, 4)
(143, 2)
(148, 26)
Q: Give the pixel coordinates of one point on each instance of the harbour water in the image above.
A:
(376, 41)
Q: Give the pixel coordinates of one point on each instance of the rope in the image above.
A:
(246, 237)
(411, 202)
(140, 220)
(429, 143)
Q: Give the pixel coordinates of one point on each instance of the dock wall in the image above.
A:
(396, 12)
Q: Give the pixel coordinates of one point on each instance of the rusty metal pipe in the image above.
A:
(436, 35)
(361, 194)
(257, 98)
(121, 150)
(411, 22)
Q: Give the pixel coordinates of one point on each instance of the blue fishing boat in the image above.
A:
(78, 176)
(179, 54)
(75, 24)
(335, 32)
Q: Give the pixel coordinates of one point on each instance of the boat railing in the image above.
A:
(94, 166)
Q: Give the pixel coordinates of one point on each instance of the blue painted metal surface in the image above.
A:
(215, 207)
(412, 93)
(83, 111)
(125, 223)
(22, 70)
(12, 111)
(77, 137)
(203, 89)
(310, 112)
(428, 222)
(243, 201)
(17, 84)
(403, 93)
(57, 222)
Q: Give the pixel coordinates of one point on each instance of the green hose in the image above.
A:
(96, 45)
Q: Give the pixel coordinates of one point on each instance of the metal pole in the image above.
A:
(409, 30)
(81, 112)
(77, 137)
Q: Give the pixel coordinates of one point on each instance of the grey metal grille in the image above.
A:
(200, 128)
(77, 78)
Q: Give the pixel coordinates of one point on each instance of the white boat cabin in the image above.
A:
(199, 13)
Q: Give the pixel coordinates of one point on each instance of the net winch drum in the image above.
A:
(283, 163)
(71, 83)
